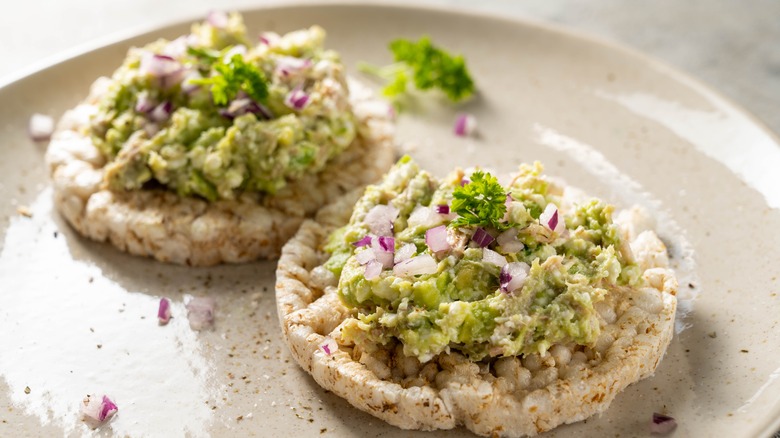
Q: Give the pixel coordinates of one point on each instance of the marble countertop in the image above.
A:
(731, 45)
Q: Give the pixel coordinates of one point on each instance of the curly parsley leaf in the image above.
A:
(233, 76)
(481, 202)
(427, 66)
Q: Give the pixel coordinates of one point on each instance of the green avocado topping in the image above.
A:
(466, 301)
(209, 115)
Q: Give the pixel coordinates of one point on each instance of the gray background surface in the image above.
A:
(732, 45)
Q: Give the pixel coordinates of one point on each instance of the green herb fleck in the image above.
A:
(428, 66)
(233, 76)
(480, 202)
(204, 55)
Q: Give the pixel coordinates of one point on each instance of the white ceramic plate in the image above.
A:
(78, 317)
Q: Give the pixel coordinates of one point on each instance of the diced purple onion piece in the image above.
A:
(386, 243)
(97, 409)
(492, 257)
(365, 256)
(513, 276)
(288, 65)
(436, 239)
(177, 48)
(373, 269)
(662, 424)
(507, 204)
(218, 19)
(551, 219)
(269, 38)
(107, 409)
(465, 124)
(200, 312)
(383, 256)
(329, 346)
(482, 237)
(424, 217)
(297, 99)
(443, 209)
(161, 112)
(163, 67)
(405, 253)
(41, 127)
(164, 311)
(423, 264)
(380, 219)
(244, 105)
(365, 241)
(144, 104)
(464, 181)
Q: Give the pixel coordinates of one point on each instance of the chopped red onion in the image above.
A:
(200, 312)
(424, 217)
(144, 104)
(383, 249)
(508, 241)
(421, 265)
(218, 19)
(244, 105)
(96, 410)
(296, 99)
(482, 237)
(490, 256)
(167, 70)
(176, 48)
(464, 181)
(289, 65)
(551, 219)
(507, 204)
(513, 276)
(465, 124)
(380, 219)
(365, 256)
(41, 127)
(164, 311)
(405, 253)
(436, 239)
(365, 241)
(443, 209)
(269, 38)
(373, 269)
(386, 243)
(662, 424)
(161, 112)
(329, 346)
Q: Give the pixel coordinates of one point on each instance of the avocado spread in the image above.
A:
(211, 115)
(465, 263)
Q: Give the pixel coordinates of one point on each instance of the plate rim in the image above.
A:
(771, 424)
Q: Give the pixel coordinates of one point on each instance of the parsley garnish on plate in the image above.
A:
(481, 202)
(233, 76)
(427, 66)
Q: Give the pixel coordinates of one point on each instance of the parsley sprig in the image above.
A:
(236, 75)
(428, 67)
(481, 202)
